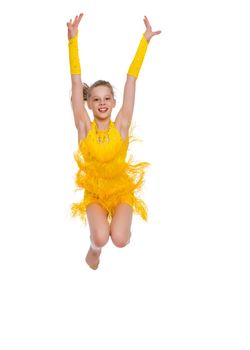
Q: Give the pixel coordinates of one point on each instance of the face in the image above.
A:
(101, 102)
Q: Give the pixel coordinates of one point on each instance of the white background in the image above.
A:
(183, 281)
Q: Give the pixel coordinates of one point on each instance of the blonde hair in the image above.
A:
(87, 90)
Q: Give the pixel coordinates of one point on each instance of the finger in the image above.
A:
(157, 32)
(75, 20)
(147, 25)
(146, 20)
(79, 18)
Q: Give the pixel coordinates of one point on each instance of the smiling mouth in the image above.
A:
(103, 110)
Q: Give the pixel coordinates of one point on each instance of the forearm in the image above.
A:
(136, 64)
(75, 68)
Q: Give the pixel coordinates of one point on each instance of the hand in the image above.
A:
(149, 33)
(73, 27)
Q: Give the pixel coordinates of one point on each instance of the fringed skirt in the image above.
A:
(125, 187)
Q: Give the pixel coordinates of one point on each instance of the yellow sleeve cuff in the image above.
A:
(136, 64)
(74, 61)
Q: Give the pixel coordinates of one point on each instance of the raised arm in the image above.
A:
(81, 116)
(125, 114)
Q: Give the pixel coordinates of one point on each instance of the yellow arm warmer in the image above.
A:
(135, 66)
(75, 67)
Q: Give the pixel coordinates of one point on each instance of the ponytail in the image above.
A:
(85, 90)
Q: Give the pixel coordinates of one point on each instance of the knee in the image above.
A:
(99, 238)
(120, 241)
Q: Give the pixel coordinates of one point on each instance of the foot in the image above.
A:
(92, 258)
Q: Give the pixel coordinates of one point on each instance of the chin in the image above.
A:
(106, 116)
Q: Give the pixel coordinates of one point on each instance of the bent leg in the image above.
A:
(121, 225)
(99, 233)
(98, 224)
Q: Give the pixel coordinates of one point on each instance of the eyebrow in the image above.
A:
(104, 96)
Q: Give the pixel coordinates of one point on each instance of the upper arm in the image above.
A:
(80, 113)
(125, 114)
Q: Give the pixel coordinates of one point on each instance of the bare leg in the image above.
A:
(99, 233)
(120, 226)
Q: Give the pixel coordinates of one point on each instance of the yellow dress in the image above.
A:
(105, 175)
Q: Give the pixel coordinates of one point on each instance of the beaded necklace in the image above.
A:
(102, 135)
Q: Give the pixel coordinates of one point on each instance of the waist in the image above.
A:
(105, 170)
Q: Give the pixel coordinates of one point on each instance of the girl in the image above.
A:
(111, 184)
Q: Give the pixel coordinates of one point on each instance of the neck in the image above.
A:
(102, 124)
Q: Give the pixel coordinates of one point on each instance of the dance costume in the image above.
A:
(105, 174)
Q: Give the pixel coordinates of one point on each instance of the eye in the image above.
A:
(95, 99)
(108, 98)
